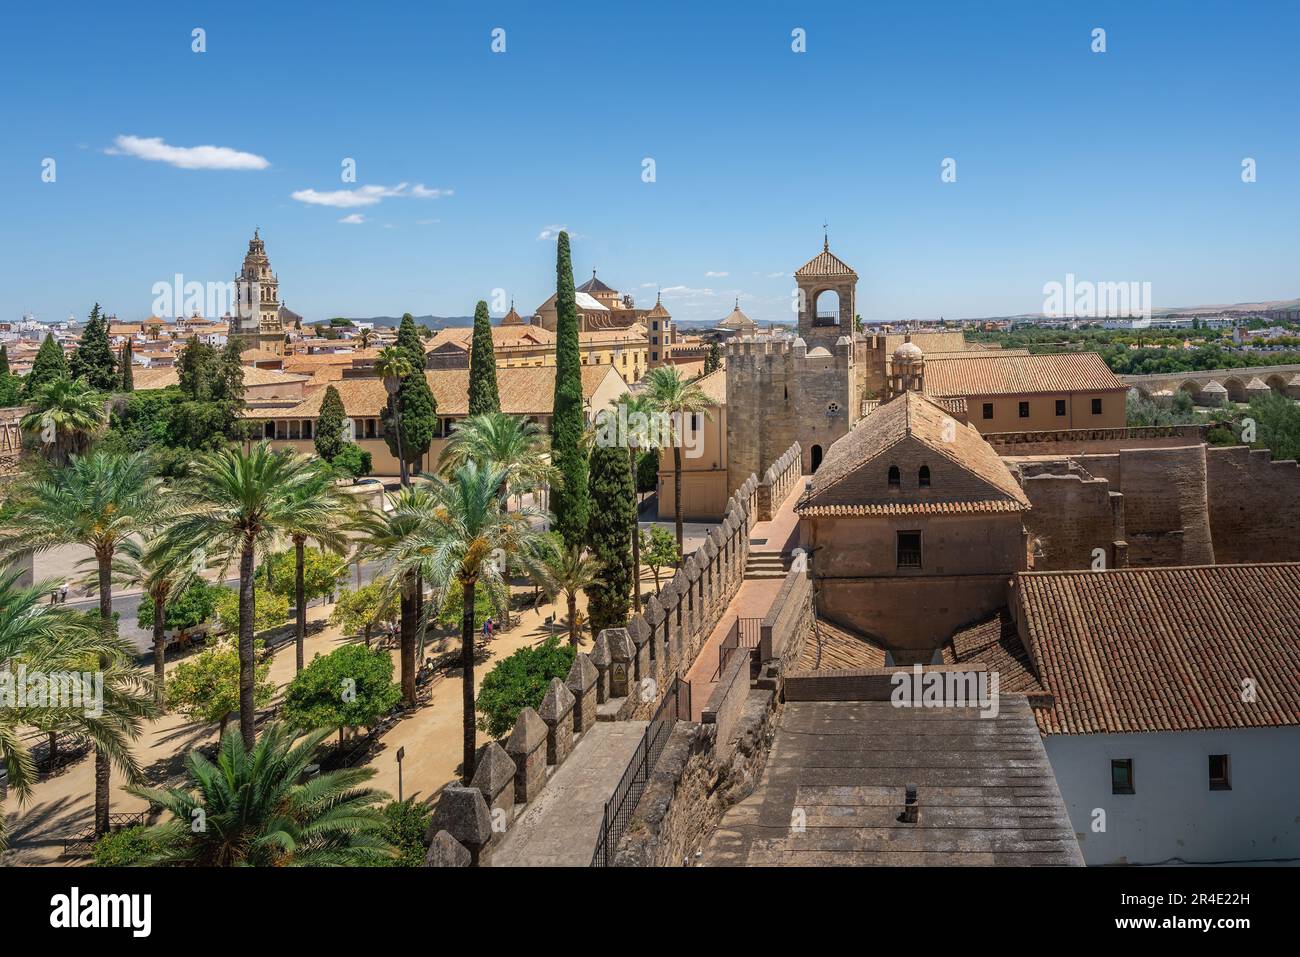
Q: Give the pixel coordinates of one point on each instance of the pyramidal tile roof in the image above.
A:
(594, 285)
(825, 263)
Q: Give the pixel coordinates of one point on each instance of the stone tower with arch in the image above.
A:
(783, 389)
(826, 298)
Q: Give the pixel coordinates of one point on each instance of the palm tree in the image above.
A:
(99, 501)
(65, 416)
(641, 437)
(393, 365)
(385, 536)
(564, 571)
(364, 336)
(515, 445)
(468, 538)
(234, 502)
(52, 639)
(318, 511)
(671, 393)
(257, 814)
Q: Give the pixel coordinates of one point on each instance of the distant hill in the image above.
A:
(434, 322)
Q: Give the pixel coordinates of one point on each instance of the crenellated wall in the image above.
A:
(780, 479)
(1073, 515)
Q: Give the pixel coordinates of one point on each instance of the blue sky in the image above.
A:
(1119, 166)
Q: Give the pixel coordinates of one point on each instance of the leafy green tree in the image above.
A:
(647, 472)
(322, 572)
(128, 374)
(329, 425)
(360, 610)
(49, 364)
(611, 531)
(206, 687)
(66, 415)
(4, 359)
(258, 814)
(170, 582)
(349, 688)
(675, 396)
(270, 610)
(570, 500)
(189, 609)
(93, 360)
(483, 395)
(520, 681)
(234, 504)
(659, 550)
(407, 823)
(353, 461)
(412, 405)
(11, 386)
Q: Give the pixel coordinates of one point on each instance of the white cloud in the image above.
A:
(715, 275)
(366, 195)
(353, 219)
(553, 231)
(776, 275)
(186, 157)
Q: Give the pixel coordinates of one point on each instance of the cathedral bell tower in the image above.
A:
(827, 292)
(256, 320)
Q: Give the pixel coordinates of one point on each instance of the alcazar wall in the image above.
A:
(1189, 505)
(1254, 505)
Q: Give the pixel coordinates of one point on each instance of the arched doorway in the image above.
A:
(816, 457)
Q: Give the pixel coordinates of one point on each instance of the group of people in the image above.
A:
(489, 628)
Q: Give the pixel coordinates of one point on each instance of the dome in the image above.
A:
(908, 351)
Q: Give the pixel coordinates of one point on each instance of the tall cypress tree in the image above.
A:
(128, 376)
(483, 395)
(93, 360)
(569, 501)
(10, 385)
(329, 425)
(4, 359)
(49, 364)
(610, 537)
(419, 408)
(713, 361)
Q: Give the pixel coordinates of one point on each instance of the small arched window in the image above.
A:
(923, 477)
(893, 476)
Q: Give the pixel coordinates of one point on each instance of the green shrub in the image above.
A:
(269, 609)
(189, 609)
(125, 848)
(519, 682)
(407, 823)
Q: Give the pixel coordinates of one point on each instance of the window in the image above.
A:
(695, 422)
(894, 480)
(923, 477)
(1220, 776)
(1060, 407)
(1096, 406)
(909, 549)
(988, 410)
(1121, 776)
(1024, 410)
(654, 357)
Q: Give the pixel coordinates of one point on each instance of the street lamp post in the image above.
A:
(401, 753)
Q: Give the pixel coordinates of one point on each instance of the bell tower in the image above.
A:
(827, 294)
(256, 319)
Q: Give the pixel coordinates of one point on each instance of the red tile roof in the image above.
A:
(994, 373)
(995, 644)
(1165, 649)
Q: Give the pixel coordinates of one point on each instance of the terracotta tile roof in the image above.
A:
(520, 334)
(1165, 649)
(909, 508)
(170, 376)
(995, 643)
(825, 263)
(635, 333)
(835, 648)
(912, 418)
(993, 373)
(713, 385)
(594, 285)
(259, 355)
(523, 390)
(305, 363)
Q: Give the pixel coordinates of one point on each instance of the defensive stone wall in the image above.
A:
(1254, 505)
(1085, 441)
(1073, 515)
(780, 479)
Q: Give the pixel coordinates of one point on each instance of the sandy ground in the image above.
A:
(62, 805)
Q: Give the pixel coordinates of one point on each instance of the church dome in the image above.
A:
(908, 352)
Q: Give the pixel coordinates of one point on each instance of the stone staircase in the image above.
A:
(767, 565)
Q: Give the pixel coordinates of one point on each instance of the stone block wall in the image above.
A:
(780, 479)
(1073, 513)
(1254, 505)
(1166, 514)
(725, 705)
(695, 782)
(785, 621)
